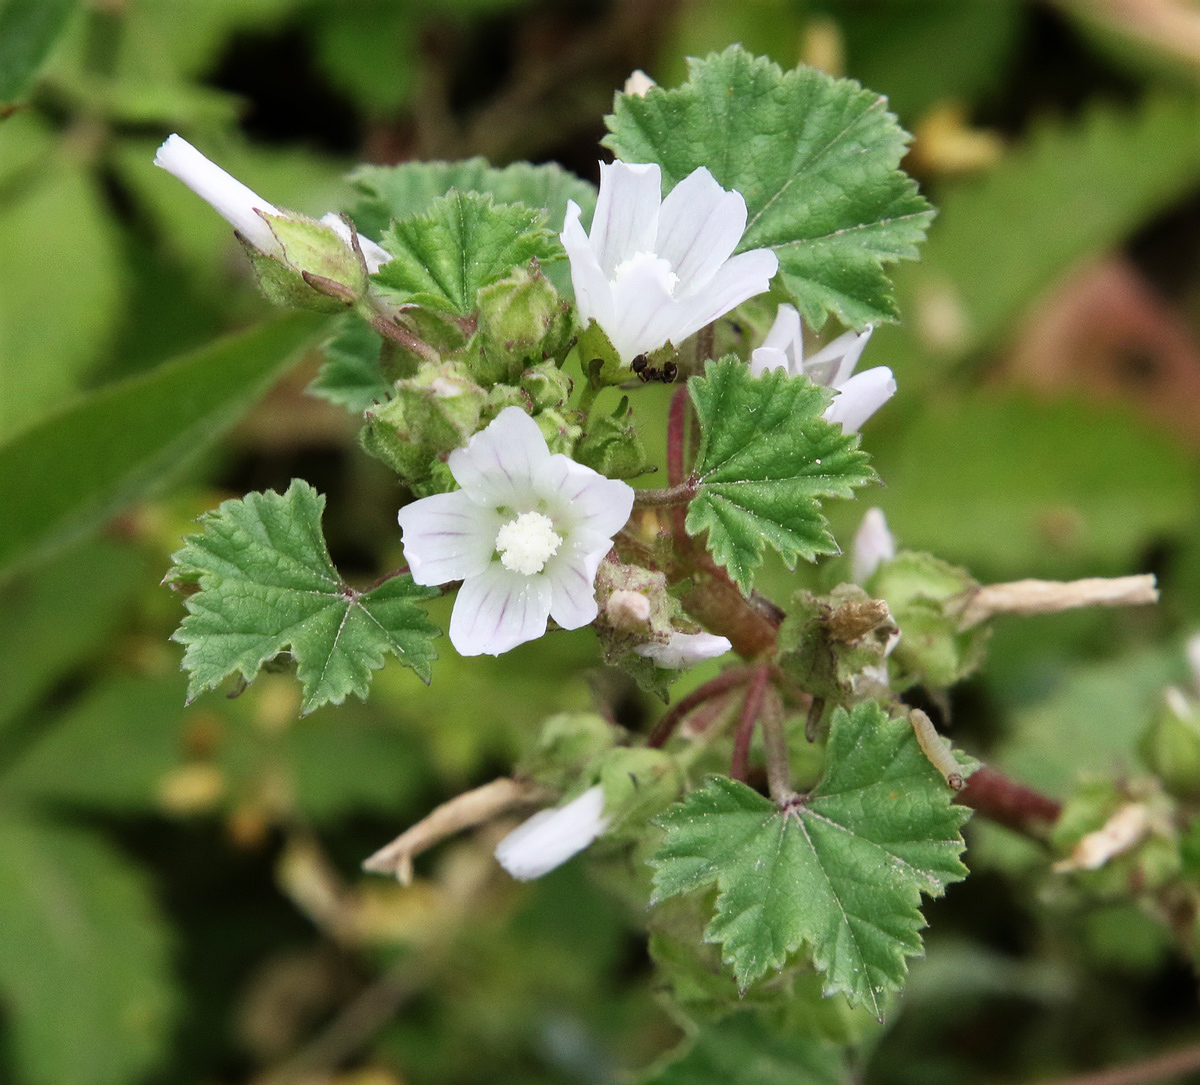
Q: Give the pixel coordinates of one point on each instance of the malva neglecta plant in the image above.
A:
(497, 330)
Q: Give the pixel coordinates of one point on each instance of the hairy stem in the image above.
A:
(726, 680)
(671, 495)
(751, 710)
(1009, 803)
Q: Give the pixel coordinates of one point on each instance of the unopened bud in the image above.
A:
(627, 610)
(638, 83)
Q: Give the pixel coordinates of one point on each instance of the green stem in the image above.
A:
(586, 399)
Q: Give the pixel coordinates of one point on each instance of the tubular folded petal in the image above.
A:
(860, 397)
(551, 837)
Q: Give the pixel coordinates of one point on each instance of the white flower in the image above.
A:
(525, 535)
(551, 837)
(858, 397)
(655, 271)
(240, 206)
(873, 545)
(685, 650)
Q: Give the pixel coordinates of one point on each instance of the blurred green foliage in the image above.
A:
(179, 890)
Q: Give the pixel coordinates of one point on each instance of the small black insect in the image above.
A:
(647, 373)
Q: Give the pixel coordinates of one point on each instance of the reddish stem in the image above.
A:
(726, 680)
(751, 707)
(676, 429)
(1009, 803)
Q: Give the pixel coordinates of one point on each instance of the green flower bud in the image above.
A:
(1170, 745)
(546, 385)
(612, 446)
(429, 416)
(559, 429)
(926, 597)
(565, 745)
(521, 317)
(638, 785)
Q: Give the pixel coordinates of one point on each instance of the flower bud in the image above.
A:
(429, 416)
(1170, 745)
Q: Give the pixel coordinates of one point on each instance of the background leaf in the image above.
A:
(815, 158)
(267, 586)
(742, 1050)
(28, 31)
(396, 192)
(73, 471)
(84, 958)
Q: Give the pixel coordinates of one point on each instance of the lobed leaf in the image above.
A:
(411, 188)
(462, 243)
(815, 159)
(766, 458)
(267, 585)
(840, 872)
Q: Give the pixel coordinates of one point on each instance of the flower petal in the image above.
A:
(698, 228)
(744, 276)
(375, 256)
(448, 537)
(647, 313)
(685, 650)
(593, 291)
(551, 837)
(860, 397)
(571, 574)
(232, 200)
(873, 545)
(833, 364)
(497, 467)
(579, 499)
(626, 218)
(763, 359)
(498, 610)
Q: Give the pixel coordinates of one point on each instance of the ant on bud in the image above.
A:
(647, 373)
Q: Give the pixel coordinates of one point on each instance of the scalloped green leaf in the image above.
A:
(839, 872)
(396, 192)
(815, 158)
(766, 458)
(465, 241)
(267, 586)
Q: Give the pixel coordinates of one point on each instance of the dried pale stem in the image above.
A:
(462, 812)
(751, 710)
(1028, 597)
(726, 680)
(1166, 1067)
